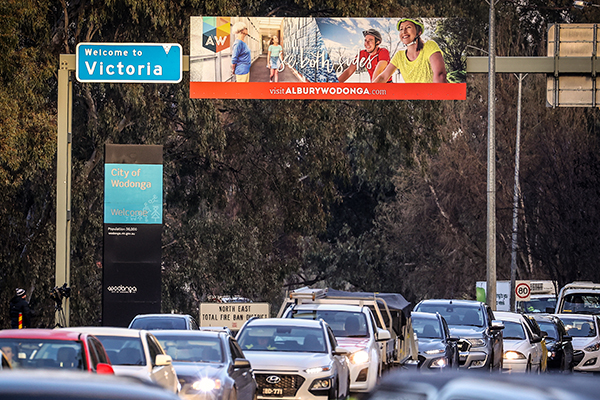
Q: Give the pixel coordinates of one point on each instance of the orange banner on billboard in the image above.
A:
(328, 91)
(326, 58)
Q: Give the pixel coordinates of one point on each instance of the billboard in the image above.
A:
(326, 58)
(231, 315)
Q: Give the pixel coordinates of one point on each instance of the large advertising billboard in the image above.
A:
(327, 58)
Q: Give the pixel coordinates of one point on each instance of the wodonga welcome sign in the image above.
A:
(313, 56)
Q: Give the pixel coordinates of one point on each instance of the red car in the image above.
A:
(56, 349)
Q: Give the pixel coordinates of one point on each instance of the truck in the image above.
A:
(579, 298)
(374, 327)
(542, 298)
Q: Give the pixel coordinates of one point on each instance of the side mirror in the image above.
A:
(162, 359)
(383, 334)
(453, 339)
(544, 334)
(536, 339)
(341, 351)
(241, 363)
(104, 369)
(568, 338)
(497, 325)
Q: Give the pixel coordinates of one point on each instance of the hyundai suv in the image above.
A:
(480, 335)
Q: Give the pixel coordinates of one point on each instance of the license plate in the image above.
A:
(272, 391)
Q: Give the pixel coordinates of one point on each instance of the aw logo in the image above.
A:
(215, 33)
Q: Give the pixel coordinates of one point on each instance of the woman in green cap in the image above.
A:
(421, 62)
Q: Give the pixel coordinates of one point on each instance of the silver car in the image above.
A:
(295, 359)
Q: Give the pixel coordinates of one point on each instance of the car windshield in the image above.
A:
(342, 323)
(153, 323)
(577, 327)
(192, 349)
(123, 350)
(513, 331)
(537, 305)
(282, 338)
(426, 328)
(455, 314)
(43, 353)
(582, 303)
(549, 328)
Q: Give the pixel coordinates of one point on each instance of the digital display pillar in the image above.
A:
(133, 176)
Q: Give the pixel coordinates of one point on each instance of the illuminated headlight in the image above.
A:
(477, 342)
(439, 363)
(593, 347)
(360, 357)
(317, 370)
(320, 384)
(207, 385)
(436, 351)
(513, 355)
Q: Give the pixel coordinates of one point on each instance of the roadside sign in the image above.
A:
(523, 290)
(129, 62)
(231, 315)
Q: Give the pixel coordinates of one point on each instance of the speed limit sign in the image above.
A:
(522, 290)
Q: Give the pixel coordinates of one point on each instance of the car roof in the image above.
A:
(49, 334)
(284, 322)
(508, 316)
(425, 315)
(162, 316)
(77, 385)
(588, 317)
(107, 331)
(187, 333)
(453, 302)
(332, 307)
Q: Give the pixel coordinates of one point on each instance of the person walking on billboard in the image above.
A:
(19, 307)
(374, 58)
(421, 62)
(274, 59)
(240, 56)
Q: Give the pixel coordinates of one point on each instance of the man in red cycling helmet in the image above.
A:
(373, 57)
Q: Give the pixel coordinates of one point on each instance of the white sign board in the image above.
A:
(522, 290)
(231, 315)
(502, 294)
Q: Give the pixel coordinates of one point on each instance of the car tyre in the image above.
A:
(528, 367)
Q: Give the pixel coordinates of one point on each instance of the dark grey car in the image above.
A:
(480, 336)
(437, 349)
(210, 365)
(558, 343)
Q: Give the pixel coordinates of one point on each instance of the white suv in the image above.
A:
(355, 329)
(295, 359)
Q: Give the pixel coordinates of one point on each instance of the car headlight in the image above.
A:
(317, 370)
(593, 347)
(207, 385)
(360, 357)
(321, 384)
(477, 342)
(513, 355)
(439, 363)
(435, 351)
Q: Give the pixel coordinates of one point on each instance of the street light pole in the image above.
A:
(491, 166)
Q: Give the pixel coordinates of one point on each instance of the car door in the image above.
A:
(163, 375)
(535, 347)
(243, 377)
(341, 363)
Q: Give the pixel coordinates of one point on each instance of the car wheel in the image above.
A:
(528, 367)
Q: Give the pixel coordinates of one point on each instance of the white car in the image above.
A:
(295, 359)
(523, 350)
(585, 331)
(355, 330)
(136, 353)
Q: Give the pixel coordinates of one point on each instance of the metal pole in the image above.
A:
(63, 180)
(513, 255)
(491, 160)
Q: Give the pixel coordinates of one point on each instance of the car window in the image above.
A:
(43, 353)
(102, 357)
(513, 331)
(343, 323)
(426, 328)
(154, 323)
(235, 349)
(93, 354)
(123, 350)
(582, 303)
(154, 348)
(550, 329)
(282, 338)
(193, 348)
(332, 340)
(456, 314)
(579, 327)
